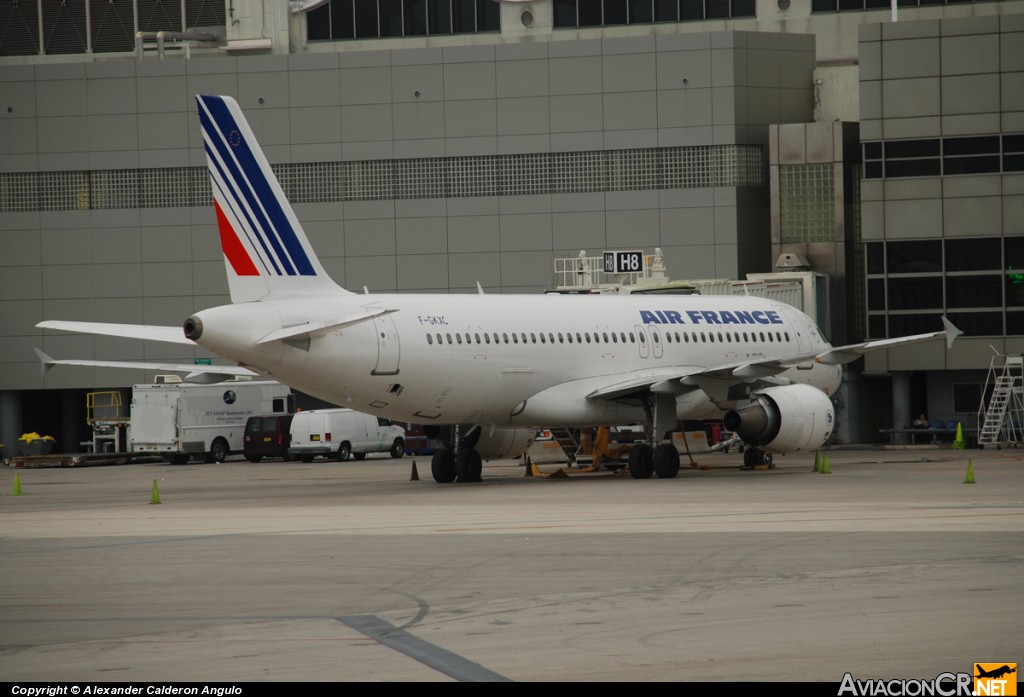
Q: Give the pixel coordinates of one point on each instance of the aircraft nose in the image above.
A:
(193, 328)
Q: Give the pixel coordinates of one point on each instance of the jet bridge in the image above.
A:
(634, 272)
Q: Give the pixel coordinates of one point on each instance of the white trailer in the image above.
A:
(183, 420)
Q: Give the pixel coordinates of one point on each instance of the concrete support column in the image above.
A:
(901, 417)
(71, 413)
(10, 421)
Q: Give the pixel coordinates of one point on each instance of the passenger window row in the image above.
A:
(606, 337)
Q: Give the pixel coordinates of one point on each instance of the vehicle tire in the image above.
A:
(398, 448)
(218, 450)
(666, 461)
(344, 452)
(468, 465)
(306, 458)
(253, 458)
(442, 466)
(179, 458)
(359, 456)
(641, 461)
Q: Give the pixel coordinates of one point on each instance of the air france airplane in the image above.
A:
(485, 369)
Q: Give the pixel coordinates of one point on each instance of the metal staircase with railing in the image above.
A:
(566, 439)
(1000, 422)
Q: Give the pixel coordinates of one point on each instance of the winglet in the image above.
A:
(46, 362)
(951, 332)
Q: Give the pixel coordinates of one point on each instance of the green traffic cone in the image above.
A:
(969, 479)
(825, 469)
(959, 443)
(17, 486)
(155, 496)
(817, 461)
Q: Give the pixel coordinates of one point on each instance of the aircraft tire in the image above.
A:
(442, 466)
(468, 465)
(641, 461)
(756, 457)
(666, 461)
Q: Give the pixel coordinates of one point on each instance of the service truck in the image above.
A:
(180, 420)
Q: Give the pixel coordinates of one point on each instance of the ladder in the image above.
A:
(565, 438)
(1000, 421)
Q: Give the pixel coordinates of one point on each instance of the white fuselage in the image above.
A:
(514, 360)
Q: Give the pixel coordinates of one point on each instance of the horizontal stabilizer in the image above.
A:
(194, 373)
(314, 329)
(172, 335)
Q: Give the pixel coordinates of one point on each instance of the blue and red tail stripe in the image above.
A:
(233, 248)
(250, 199)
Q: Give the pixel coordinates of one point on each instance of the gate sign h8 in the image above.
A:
(624, 262)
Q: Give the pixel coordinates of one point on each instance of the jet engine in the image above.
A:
(784, 419)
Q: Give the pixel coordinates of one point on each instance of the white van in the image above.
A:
(339, 433)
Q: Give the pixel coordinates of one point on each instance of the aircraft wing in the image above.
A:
(679, 379)
(845, 354)
(641, 381)
(173, 335)
(194, 373)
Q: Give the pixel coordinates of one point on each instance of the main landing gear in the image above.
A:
(461, 462)
(450, 465)
(755, 457)
(662, 459)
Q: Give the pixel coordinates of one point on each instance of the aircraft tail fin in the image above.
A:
(266, 252)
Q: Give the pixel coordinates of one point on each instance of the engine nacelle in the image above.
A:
(504, 442)
(784, 419)
(492, 444)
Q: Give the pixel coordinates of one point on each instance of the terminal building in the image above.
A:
(432, 144)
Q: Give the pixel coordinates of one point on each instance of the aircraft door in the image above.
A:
(656, 348)
(641, 341)
(800, 329)
(388, 349)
